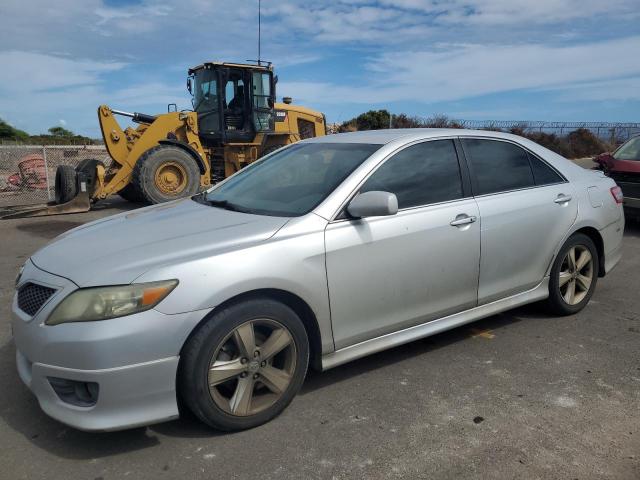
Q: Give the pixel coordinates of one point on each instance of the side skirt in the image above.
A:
(410, 334)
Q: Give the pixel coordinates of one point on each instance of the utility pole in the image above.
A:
(259, 27)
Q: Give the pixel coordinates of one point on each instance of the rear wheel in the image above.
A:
(244, 365)
(573, 276)
(165, 173)
(66, 186)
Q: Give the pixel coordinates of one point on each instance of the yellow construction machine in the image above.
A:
(235, 120)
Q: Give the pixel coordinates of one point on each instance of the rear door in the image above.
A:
(388, 273)
(526, 208)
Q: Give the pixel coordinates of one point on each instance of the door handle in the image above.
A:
(462, 219)
(562, 198)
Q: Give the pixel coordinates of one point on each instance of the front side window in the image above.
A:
(629, 150)
(419, 175)
(498, 166)
(290, 182)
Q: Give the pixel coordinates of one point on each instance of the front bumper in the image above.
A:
(129, 396)
(133, 360)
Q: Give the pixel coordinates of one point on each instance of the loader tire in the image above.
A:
(65, 186)
(131, 193)
(165, 173)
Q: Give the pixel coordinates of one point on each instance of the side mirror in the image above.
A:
(373, 204)
(189, 85)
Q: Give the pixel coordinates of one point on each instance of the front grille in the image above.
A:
(32, 296)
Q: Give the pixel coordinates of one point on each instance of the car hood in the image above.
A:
(118, 249)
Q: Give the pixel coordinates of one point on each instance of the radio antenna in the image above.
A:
(259, 22)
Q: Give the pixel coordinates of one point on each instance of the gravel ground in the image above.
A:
(517, 395)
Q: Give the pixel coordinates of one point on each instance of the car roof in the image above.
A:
(407, 134)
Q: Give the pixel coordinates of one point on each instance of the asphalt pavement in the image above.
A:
(518, 395)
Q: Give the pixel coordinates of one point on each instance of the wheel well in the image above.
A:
(595, 236)
(298, 305)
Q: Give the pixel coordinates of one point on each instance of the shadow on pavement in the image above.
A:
(20, 410)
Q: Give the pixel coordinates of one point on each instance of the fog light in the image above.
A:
(80, 394)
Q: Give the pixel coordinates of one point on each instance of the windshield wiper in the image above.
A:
(226, 205)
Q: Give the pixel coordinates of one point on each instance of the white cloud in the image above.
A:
(61, 59)
(474, 70)
(33, 72)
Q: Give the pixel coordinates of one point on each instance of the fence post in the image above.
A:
(46, 172)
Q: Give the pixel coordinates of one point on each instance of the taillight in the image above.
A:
(616, 192)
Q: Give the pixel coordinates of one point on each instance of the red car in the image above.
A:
(623, 166)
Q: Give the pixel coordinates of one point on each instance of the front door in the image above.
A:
(389, 273)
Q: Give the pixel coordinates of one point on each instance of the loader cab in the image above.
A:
(234, 102)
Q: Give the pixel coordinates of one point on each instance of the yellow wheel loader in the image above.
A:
(235, 120)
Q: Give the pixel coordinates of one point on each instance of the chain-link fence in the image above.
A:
(27, 173)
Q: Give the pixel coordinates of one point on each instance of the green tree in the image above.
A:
(371, 120)
(60, 132)
(9, 132)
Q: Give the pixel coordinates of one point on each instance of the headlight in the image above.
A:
(102, 303)
(19, 275)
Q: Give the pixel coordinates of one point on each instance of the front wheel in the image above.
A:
(573, 276)
(244, 365)
(165, 173)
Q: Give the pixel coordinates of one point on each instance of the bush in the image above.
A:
(577, 144)
(583, 143)
(441, 121)
(371, 120)
(551, 141)
(404, 121)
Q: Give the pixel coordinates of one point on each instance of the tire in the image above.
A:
(561, 301)
(131, 193)
(148, 178)
(66, 186)
(217, 338)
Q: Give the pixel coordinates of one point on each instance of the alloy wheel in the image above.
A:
(576, 274)
(252, 367)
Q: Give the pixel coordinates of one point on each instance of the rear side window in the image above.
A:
(498, 166)
(543, 173)
(420, 175)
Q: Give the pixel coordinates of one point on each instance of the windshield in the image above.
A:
(629, 150)
(290, 182)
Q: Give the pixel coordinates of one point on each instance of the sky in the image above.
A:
(554, 60)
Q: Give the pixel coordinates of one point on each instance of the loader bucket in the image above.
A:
(80, 203)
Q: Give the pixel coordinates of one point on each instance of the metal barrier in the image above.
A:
(27, 173)
(612, 132)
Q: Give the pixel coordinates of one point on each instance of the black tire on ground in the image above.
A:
(131, 193)
(160, 157)
(198, 352)
(65, 185)
(556, 302)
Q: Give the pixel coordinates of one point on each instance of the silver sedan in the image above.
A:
(322, 252)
